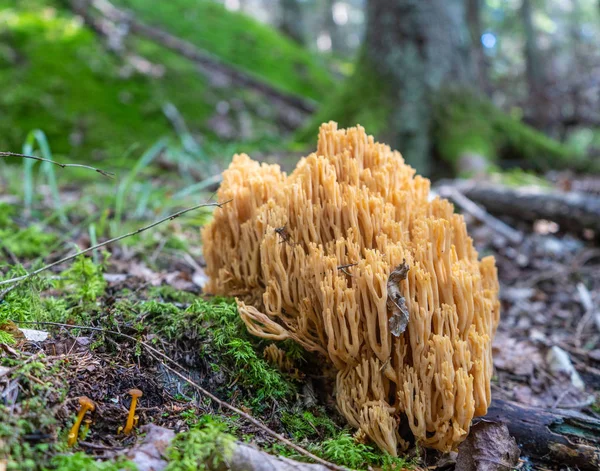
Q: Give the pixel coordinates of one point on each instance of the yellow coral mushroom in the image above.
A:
(350, 257)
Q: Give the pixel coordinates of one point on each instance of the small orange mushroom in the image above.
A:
(86, 404)
(135, 394)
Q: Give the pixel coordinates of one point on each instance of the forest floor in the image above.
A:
(103, 324)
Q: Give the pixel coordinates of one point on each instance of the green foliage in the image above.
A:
(7, 212)
(83, 280)
(517, 177)
(169, 294)
(205, 446)
(80, 461)
(5, 337)
(30, 242)
(239, 40)
(23, 303)
(346, 451)
(217, 320)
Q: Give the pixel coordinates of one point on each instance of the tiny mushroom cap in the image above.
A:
(136, 393)
(87, 403)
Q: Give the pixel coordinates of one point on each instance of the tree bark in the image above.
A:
(476, 31)
(416, 47)
(552, 436)
(536, 79)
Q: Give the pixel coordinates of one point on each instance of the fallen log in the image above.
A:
(551, 436)
(570, 210)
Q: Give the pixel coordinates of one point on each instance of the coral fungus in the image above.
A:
(321, 257)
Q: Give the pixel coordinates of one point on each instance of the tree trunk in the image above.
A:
(481, 63)
(536, 79)
(416, 47)
(291, 23)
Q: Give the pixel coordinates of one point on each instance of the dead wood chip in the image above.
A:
(396, 302)
(489, 447)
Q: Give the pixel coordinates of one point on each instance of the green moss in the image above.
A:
(239, 40)
(362, 99)
(346, 451)
(217, 324)
(465, 123)
(7, 212)
(5, 337)
(304, 424)
(80, 461)
(60, 79)
(30, 242)
(203, 447)
(23, 303)
(83, 281)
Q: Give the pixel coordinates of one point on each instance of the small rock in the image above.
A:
(559, 362)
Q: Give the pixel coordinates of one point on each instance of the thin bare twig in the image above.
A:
(41, 159)
(19, 279)
(164, 359)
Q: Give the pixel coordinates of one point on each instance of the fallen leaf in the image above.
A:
(489, 447)
(396, 302)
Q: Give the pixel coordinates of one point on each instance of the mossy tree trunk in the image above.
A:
(416, 47)
(412, 49)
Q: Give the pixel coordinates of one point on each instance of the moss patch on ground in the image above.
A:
(465, 123)
(241, 41)
(62, 80)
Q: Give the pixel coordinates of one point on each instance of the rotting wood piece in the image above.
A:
(571, 211)
(552, 436)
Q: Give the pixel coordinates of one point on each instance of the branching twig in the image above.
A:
(164, 359)
(102, 244)
(41, 159)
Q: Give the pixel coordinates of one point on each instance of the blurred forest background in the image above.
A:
(456, 86)
(483, 96)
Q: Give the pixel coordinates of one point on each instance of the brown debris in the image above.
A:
(354, 203)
